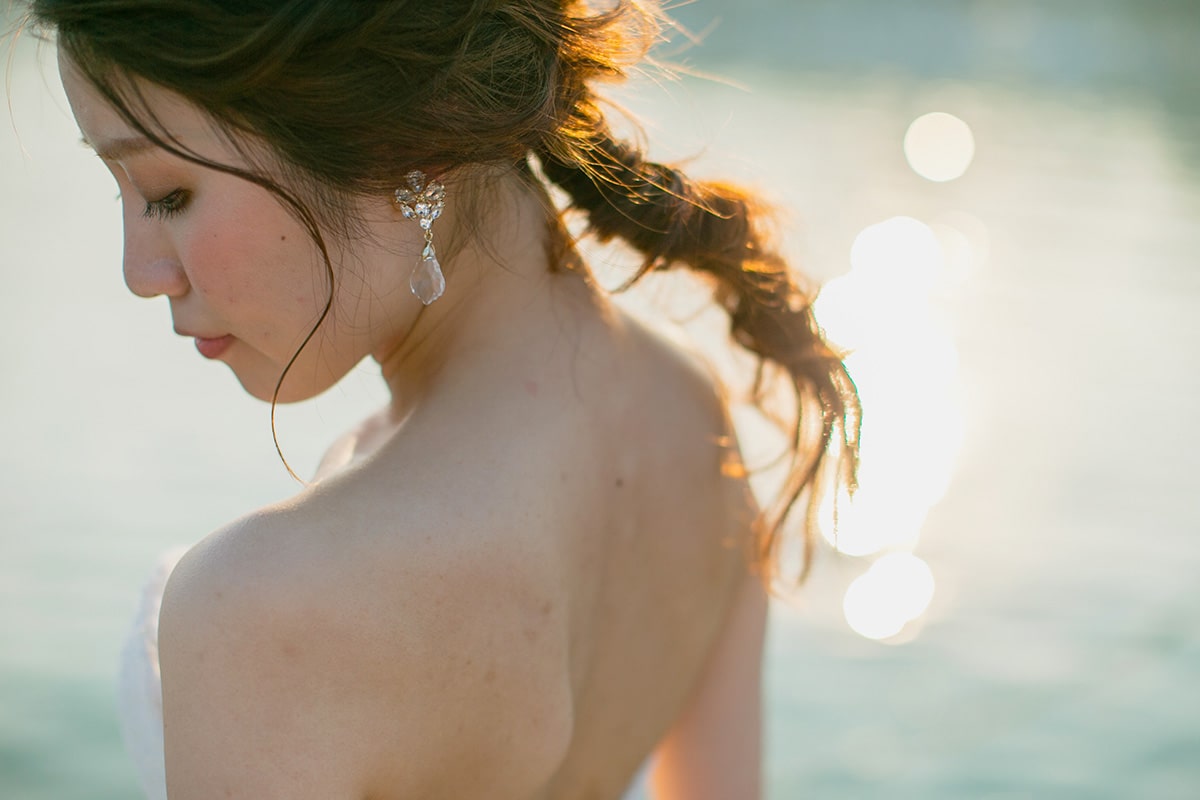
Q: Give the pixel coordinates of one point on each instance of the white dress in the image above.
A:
(139, 690)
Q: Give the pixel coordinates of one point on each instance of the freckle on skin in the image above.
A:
(620, 483)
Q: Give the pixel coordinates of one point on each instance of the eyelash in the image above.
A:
(167, 207)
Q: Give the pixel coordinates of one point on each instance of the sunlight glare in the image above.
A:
(959, 257)
(877, 518)
(911, 434)
(895, 265)
(899, 254)
(939, 146)
(896, 590)
(899, 349)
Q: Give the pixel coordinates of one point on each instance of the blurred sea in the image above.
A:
(1044, 380)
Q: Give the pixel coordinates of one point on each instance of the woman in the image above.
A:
(540, 564)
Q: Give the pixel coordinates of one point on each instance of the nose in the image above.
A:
(151, 265)
(160, 276)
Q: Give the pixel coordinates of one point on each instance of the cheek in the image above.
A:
(251, 257)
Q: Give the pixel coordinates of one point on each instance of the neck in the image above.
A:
(497, 283)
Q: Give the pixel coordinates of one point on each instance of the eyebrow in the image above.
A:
(116, 149)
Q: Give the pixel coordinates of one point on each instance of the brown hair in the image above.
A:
(351, 95)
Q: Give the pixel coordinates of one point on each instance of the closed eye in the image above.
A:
(167, 206)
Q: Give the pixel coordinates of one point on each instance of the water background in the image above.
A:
(1061, 655)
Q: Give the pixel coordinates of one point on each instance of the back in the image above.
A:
(655, 564)
(600, 530)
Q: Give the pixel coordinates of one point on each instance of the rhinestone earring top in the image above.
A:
(424, 199)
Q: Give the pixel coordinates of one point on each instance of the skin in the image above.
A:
(519, 579)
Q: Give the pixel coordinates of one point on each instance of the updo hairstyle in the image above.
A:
(349, 96)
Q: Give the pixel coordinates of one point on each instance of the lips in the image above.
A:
(213, 347)
(209, 345)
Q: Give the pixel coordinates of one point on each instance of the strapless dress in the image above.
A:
(139, 690)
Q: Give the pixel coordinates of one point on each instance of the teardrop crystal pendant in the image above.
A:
(424, 201)
(427, 281)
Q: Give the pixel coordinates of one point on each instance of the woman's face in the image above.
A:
(241, 274)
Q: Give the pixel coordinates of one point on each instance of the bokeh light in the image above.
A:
(894, 265)
(904, 362)
(939, 146)
(893, 592)
(901, 254)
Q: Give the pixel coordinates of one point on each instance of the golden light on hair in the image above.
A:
(939, 146)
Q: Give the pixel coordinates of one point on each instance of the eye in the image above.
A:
(167, 206)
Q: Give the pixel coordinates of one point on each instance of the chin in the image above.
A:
(294, 389)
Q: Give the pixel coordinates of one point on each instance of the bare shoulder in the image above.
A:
(303, 658)
(692, 402)
(270, 688)
(669, 346)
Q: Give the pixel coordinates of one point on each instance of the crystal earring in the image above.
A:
(423, 200)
